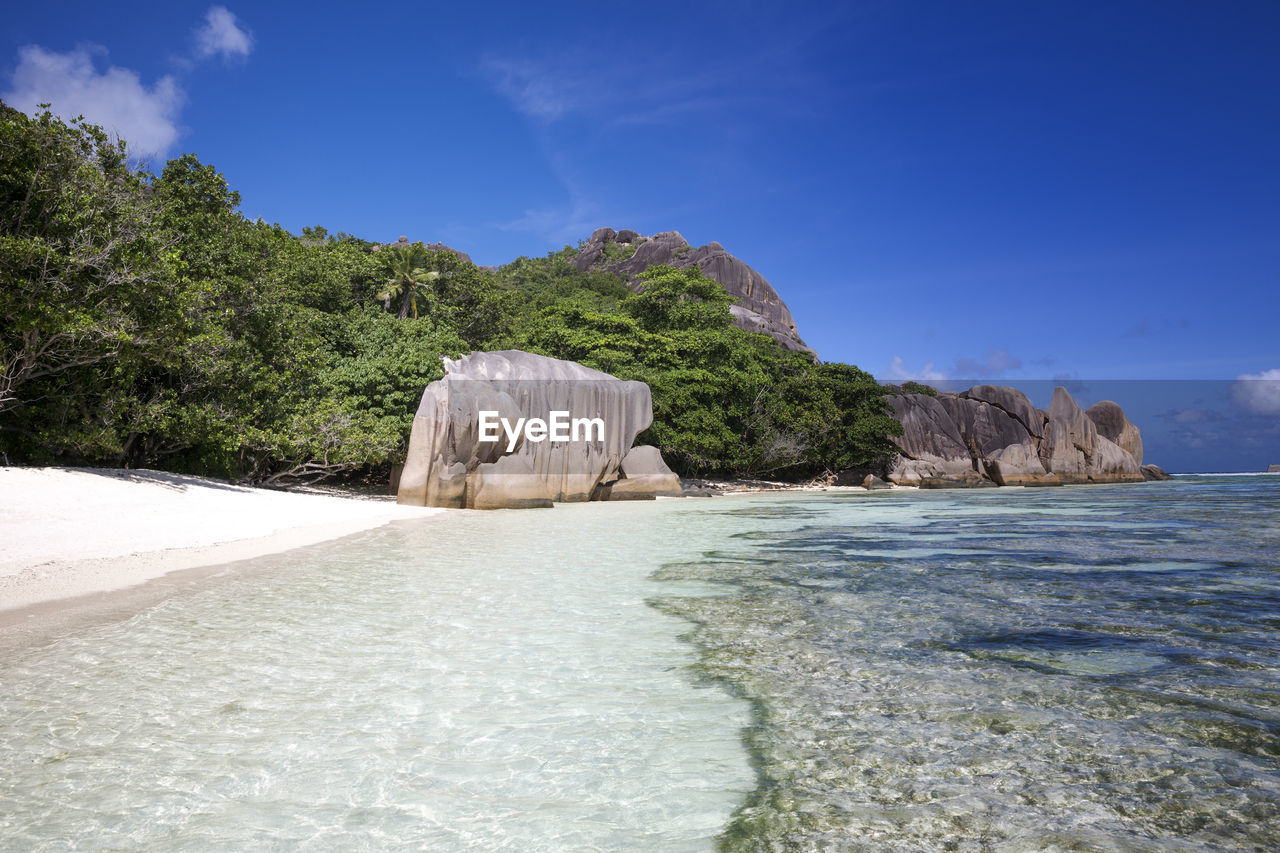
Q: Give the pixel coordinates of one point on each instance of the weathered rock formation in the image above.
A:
(994, 435)
(759, 307)
(1018, 465)
(642, 475)
(449, 465)
(1113, 425)
(932, 448)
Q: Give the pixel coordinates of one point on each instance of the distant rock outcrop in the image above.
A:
(994, 435)
(403, 242)
(449, 465)
(759, 307)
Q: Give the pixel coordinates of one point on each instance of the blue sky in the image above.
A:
(991, 190)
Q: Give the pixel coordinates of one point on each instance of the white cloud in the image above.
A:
(116, 99)
(1258, 392)
(898, 370)
(221, 34)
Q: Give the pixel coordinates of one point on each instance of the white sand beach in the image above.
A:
(68, 532)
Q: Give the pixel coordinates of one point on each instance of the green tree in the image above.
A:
(79, 252)
(410, 280)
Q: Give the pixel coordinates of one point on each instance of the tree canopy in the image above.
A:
(148, 323)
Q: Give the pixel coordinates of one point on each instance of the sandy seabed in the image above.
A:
(72, 532)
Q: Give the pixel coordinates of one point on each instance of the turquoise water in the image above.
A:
(1094, 668)
(1090, 668)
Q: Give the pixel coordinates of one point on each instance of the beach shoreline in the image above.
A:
(68, 534)
(74, 541)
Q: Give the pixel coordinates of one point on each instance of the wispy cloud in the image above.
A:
(1258, 393)
(996, 363)
(222, 35)
(117, 99)
(584, 96)
(539, 91)
(567, 224)
(654, 87)
(899, 371)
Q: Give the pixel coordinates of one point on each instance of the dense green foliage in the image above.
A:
(725, 401)
(146, 322)
(911, 387)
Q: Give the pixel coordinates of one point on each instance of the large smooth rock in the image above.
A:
(905, 471)
(1073, 449)
(1111, 463)
(643, 472)
(983, 428)
(759, 308)
(1069, 439)
(933, 453)
(1112, 424)
(1155, 472)
(927, 429)
(449, 465)
(1013, 403)
(1019, 465)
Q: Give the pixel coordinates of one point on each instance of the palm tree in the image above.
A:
(409, 280)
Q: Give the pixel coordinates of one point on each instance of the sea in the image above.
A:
(1074, 669)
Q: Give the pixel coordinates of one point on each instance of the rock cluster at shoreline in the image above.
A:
(449, 465)
(993, 436)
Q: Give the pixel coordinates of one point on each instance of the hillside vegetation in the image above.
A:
(145, 322)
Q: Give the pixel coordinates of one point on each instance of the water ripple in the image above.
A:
(1091, 669)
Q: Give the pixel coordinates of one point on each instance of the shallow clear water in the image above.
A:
(1090, 668)
(491, 681)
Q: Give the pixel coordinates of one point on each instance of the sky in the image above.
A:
(992, 191)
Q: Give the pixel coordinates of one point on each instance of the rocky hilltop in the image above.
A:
(450, 464)
(993, 436)
(759, 308)
(403, 243)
